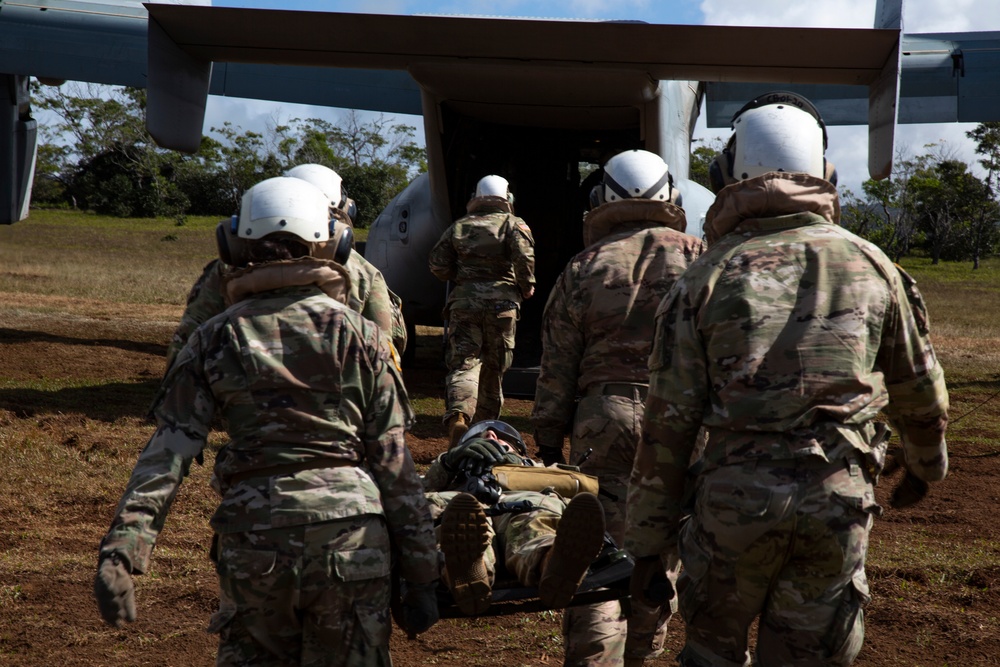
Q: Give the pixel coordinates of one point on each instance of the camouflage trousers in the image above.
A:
(785, 541)
(480, 350)
(521, 538)
(314, 595)
(608, 421)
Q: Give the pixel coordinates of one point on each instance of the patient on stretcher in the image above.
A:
(547, 534)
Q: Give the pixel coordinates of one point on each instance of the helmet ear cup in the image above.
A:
(222, 242)
(595, 196)
(720, 170)
(340, 245)
(829, 171)
(233, 250)
(344, 246)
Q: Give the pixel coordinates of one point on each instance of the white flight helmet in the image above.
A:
(283, 204)
(287, 206)
(634, 174)
(778, 131)
(331, 184)
(493, 186)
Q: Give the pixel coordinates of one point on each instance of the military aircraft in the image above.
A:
(540, 102)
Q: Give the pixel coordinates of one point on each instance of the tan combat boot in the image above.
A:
(458, 424)
(465, 537)
(579, 538)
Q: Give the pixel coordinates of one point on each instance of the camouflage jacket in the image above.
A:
(488, 255)
(598, 323)
(785, 339)
(368, 295)
(315, 409)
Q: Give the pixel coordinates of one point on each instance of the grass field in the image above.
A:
(87, 306)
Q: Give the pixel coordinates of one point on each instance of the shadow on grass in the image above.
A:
(105, 402)
(19, 337)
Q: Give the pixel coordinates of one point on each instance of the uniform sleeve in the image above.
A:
(443, 260)
(678, 394)
(563, 343)
(918, 397)
(183, 409)
(204, 302)
(521, 246)
(387, 416)
(377, 306)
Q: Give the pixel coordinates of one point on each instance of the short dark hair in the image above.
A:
(275, 248)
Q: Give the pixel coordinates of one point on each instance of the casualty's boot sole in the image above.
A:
(579, 538)
(465, 536)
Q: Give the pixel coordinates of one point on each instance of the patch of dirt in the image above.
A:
(113, 363)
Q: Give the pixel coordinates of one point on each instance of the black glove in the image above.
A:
(114, 590)
(908, 492)
(550, 455)
(420, 607)
(475, 457)
(649, 583)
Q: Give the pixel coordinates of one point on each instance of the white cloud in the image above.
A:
(841, 14)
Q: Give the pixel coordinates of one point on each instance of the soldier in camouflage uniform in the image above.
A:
(784, 340)
(489, 257)
(596, 337)
(316, 482)
(368, 293)
(546, 541)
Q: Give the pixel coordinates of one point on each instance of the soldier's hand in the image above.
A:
(551, 455)
(649, 584)
(910, 491)
(114, 590)
(475, 457)
(420, 607)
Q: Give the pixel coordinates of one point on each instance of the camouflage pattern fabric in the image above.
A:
(521, 538)
(314, 594)
(480, 350)
(489, 257)
(598, 322)
(785, 340)
(316, 412)
(369, 295)
(817, 515)
(599, 634)
(597, 335)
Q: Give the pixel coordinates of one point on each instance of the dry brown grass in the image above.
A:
(87, 306)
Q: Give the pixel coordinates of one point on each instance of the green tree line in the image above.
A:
(99, 157)
(931, 204)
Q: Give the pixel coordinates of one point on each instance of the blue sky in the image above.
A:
(848, 145)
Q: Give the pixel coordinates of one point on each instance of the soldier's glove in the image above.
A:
(114, 590)
(908, 492)
(420, 607)
(551, 455)
(475, 457)
(649, 584)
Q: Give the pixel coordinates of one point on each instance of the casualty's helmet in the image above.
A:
(288, 207)
(634, 174)
(330, 183)
(777, 131)
(504, 431)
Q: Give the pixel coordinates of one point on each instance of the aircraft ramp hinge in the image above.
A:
(958, 63)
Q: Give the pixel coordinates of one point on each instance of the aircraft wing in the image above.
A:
(945, 78)
(513, 63)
